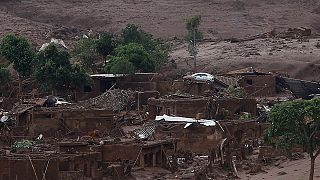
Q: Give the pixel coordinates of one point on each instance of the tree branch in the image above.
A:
(317, 153)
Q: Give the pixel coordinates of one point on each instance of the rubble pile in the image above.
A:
(113, 99)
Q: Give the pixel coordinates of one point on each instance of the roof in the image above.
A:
(107, 75)
(301, 88)
(247, 71)
(188, 121)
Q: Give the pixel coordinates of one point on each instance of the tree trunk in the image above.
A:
(20, 86)
(312, 167)
(194, 47)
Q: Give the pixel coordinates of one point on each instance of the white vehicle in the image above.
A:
(200, 77)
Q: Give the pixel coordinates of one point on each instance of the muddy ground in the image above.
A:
(69, 20)
(163, 18)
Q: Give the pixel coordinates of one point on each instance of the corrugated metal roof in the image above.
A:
(301, 88)
(107, 75)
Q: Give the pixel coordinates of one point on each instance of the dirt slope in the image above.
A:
(40, 20)
(164, 18)
(293, 170)
(290, 57)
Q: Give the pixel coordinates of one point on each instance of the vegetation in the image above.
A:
(194, 36)
(55, 72)
(245, 116)
(4, 75)
(105, 45)
(235, 92)
(137, 52)
(19, 52)
(23, 144)
(296, 123)
(86, 51)
(130, 58)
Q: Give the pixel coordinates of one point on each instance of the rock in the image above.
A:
(187, 176)
(282, 173)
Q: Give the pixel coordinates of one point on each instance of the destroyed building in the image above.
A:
(254, 83)
(206, 107)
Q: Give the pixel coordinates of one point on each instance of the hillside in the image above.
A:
(40, 20)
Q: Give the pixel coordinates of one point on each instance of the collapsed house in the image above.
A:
(202, 107)
(49, 165)
(221, 140)
(254, 83)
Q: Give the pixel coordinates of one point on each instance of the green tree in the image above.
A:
(85, 50)
(194, 36)
(55, 72)
(105, 45)
(134, 58)
(19, 52)
(296, 123)
(121, 66)
(156, 48)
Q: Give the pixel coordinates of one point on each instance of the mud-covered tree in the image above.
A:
(19, 52)
(105, 45)
(193, 36)
(156, 48)
(85, 50)
(296, 123)
(130, 58)
(54, 72)
(4, 75)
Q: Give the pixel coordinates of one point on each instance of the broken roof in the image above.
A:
(247, 71)
(106, 75)
(301, 88)
(188, 121)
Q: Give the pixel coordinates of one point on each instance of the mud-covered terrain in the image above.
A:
(37, 19)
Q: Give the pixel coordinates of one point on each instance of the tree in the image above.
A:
(122, 66)
(4, 75)
(156, 48)
(19, 52)
(134, 58)
(296, 123)
(105, 45)
(55, 72)
(85, 50)
(194, 36)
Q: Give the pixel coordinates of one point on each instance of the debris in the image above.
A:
(114, 100)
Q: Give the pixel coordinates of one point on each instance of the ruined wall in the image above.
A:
(209, 107)
(196, 88)
(258, 85)
(195, 138)
(178, 107)
(139, 86)
(165, 87)
(120, 152)
(234, 106)
(57, 122)
(60, 167)
(21, 169)
(8, 103)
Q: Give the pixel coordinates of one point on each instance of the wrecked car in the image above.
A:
(199, 77)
